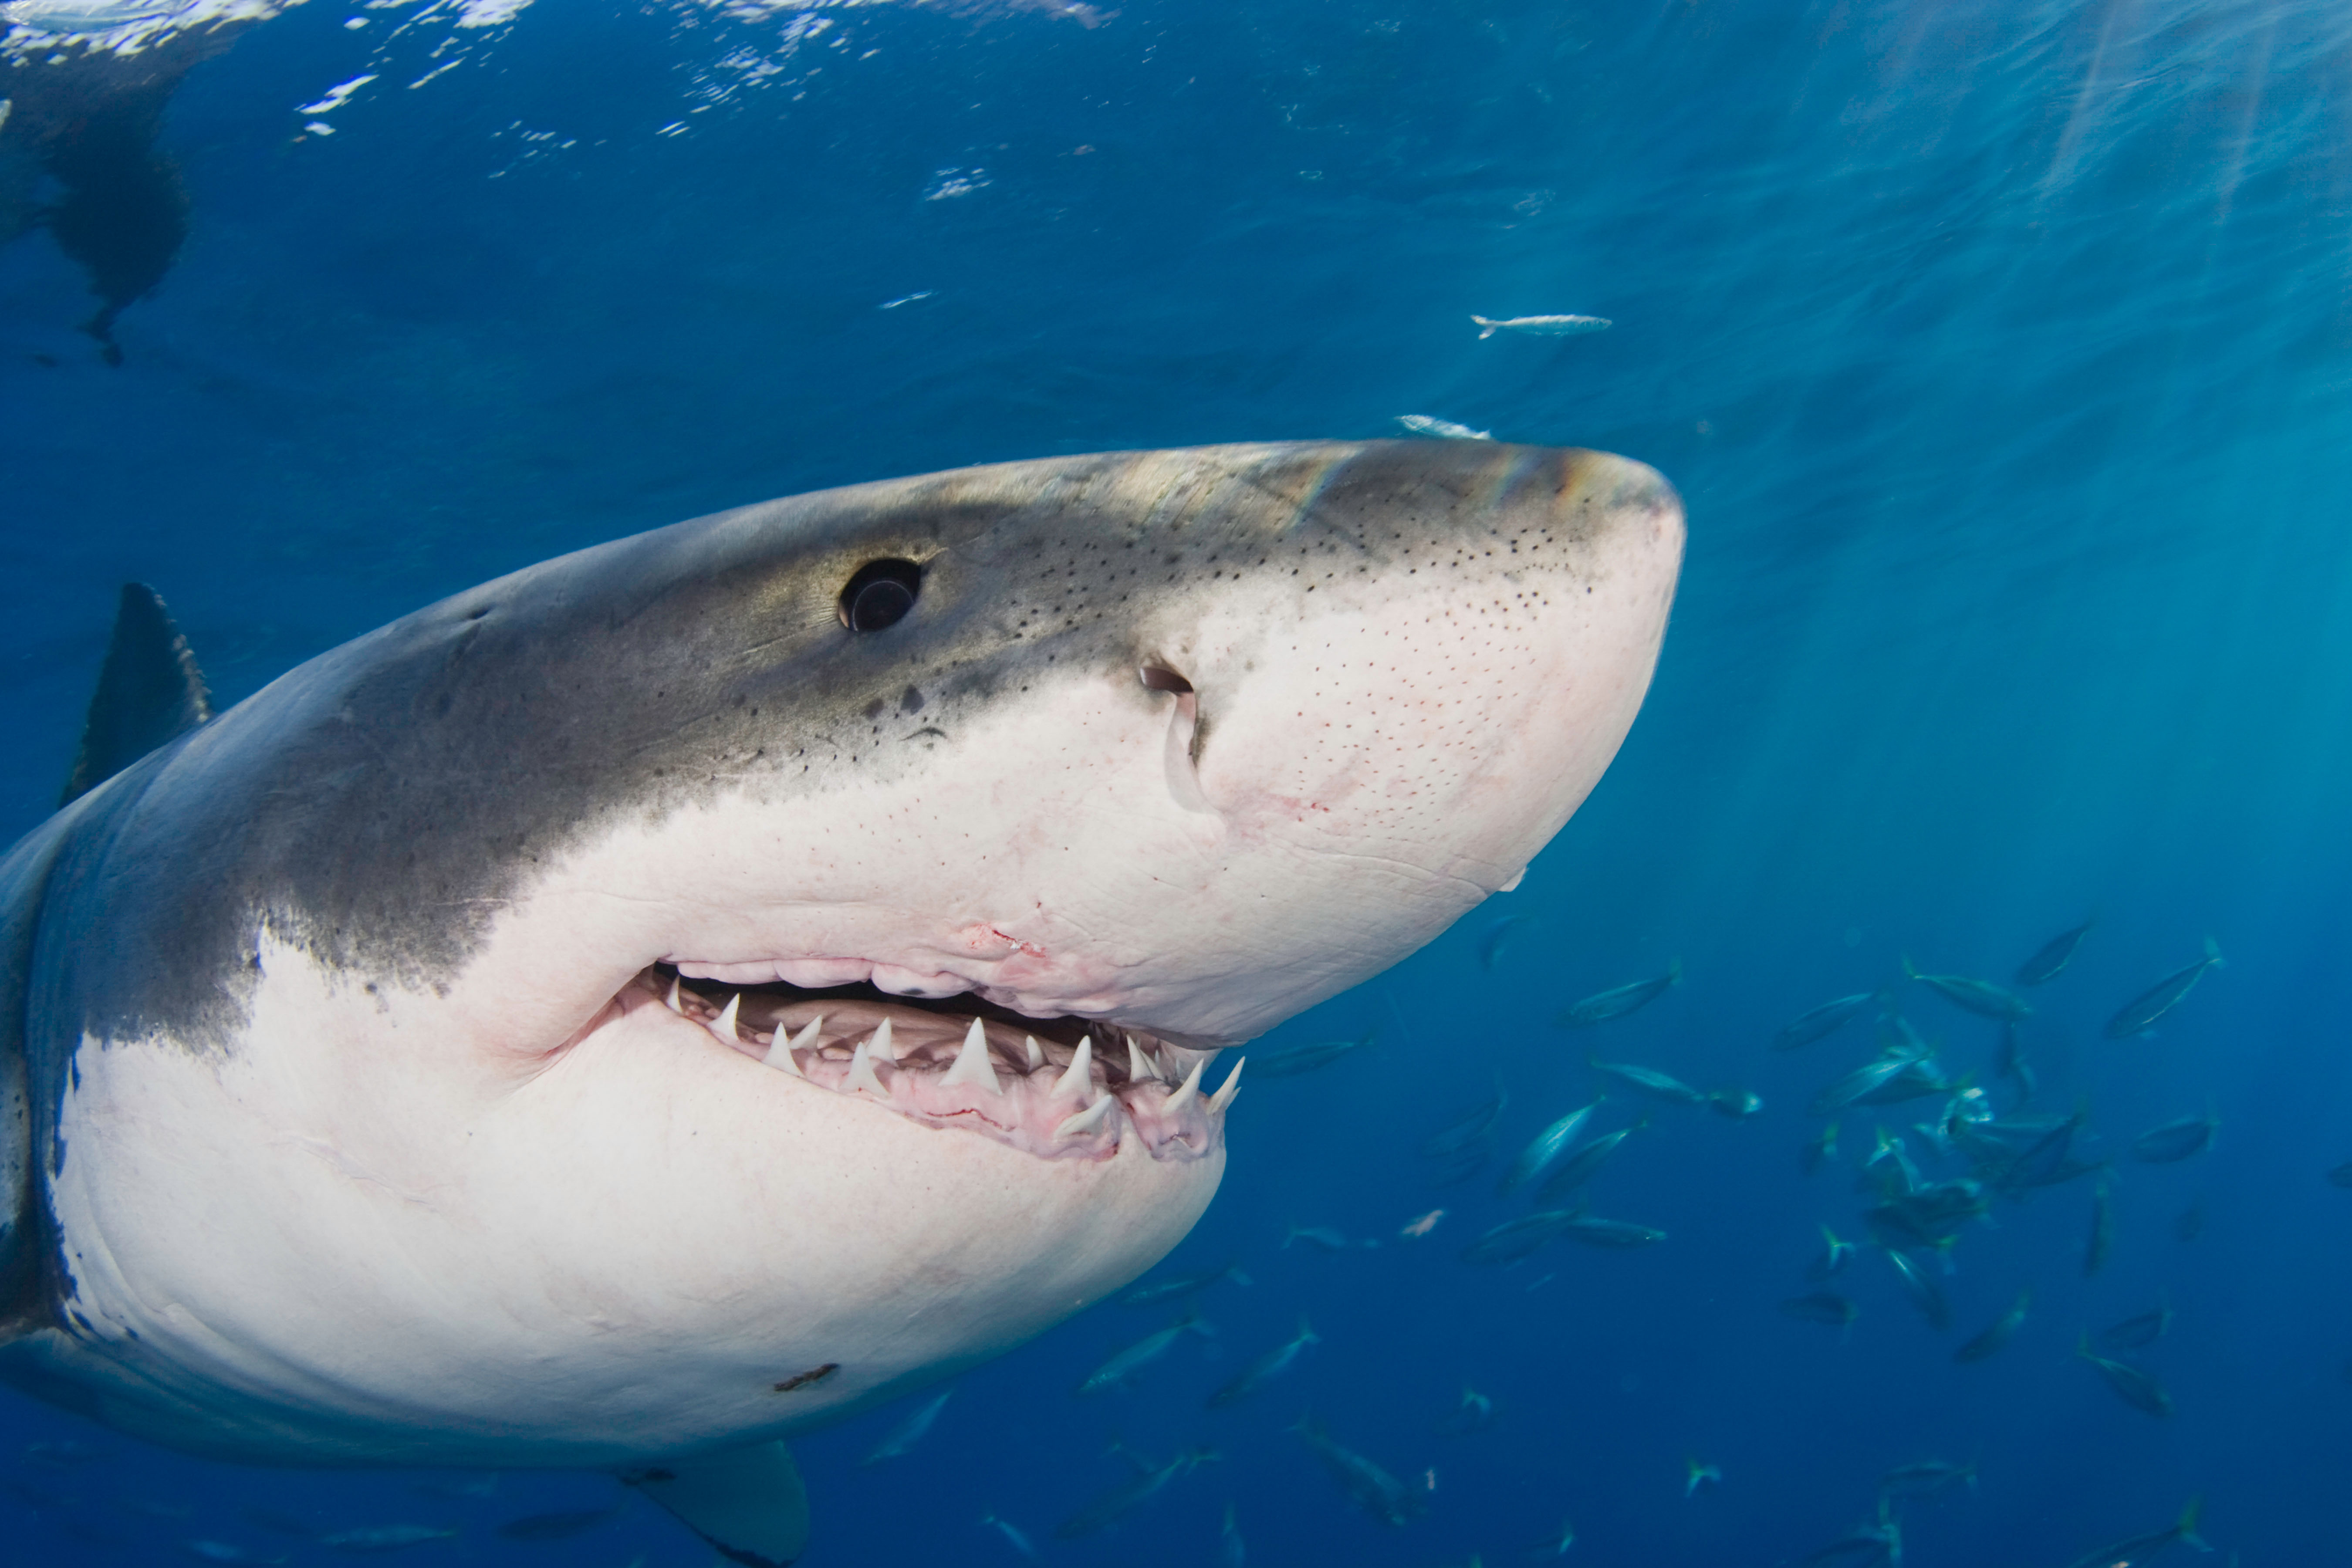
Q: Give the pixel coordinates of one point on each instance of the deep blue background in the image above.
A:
(2001, 352)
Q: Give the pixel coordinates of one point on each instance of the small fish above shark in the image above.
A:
(695, 990)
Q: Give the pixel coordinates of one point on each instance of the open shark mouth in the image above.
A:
(1060, 1088)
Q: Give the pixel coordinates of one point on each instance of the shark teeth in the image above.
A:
(971, 1063)
(1139, 1066)
(1228, 1088)
(1079, 1101)
(1078, 1077)
(1084, 1121)
(1189, 1092)
(780, 1054)
(861, 1066)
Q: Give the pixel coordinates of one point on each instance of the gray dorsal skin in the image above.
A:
(150, 692)
(350, 1109)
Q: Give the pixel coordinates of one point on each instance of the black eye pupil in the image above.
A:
(880, 595)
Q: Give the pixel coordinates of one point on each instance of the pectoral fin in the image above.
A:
(748, 1502)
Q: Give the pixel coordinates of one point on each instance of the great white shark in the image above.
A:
(692, 990)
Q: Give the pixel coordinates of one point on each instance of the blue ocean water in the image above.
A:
(2000, 352)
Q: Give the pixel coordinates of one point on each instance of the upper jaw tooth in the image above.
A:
(971, 1063)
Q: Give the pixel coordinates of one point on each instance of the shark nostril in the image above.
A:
(1159, 677)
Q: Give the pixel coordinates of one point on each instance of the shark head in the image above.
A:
(690, 990)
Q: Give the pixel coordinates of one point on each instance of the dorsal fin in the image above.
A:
(149, 691)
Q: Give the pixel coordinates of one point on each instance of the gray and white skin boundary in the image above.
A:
(699, 988)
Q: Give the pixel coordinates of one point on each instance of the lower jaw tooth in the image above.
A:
(861, 1072)
(1086, 1121)
(780, 1053)
(1230, 1087)
(1191, 1089)
(1075, 1077)
(724, 1024)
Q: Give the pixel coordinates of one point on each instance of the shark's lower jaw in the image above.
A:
(1059, 1088)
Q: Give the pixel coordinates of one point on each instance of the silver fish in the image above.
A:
(2002, 1330)
(2136, 1550)
(1291, 1060)
(1579, 1167)
(1270, 1366)
(909, 1432)
(1544, 1148)
(1925, 1293)
(2174, 1139)
(1650, 1081)
(1147, 1481)
(1982, 997)
(1820, 1021)
(1178, 1285)
(1122, 1368)
(1373, 1488)
(2140, 1014)
(1543, 326)
(1617, 1001)
(2053, 957)
(2133, 1386)
(2140, 1330)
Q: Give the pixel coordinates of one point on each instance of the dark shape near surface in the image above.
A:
(149, 692)
(1603, 1005)
(2053, 957)
(2140, 1014)
(89, 119)
(2341, 1176)
(2189, 1223)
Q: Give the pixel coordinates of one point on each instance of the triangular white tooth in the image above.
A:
(971, 1063)
(780, 1051)
(1139, 1066)
(1190, 1088)
(675, 1005)
(1036, 1052)
(723, 1026)
(1080, 1074)
(1086, 1121)
(861, 1073)
(884, 1051)
(1230, 1087)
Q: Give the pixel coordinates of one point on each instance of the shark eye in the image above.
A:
(1159, 677)
(880, 595)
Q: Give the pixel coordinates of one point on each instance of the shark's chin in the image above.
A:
(1056, 1088)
